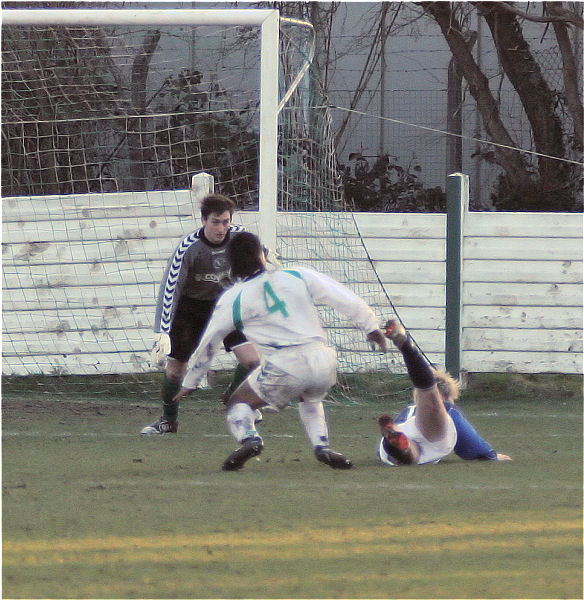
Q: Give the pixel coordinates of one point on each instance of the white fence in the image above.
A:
(81, 276)
(522, 285)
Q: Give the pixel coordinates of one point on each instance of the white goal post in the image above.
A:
(267, 20)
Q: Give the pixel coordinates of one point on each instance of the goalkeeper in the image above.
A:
(430, 428)
(277, 311)
(196, 274)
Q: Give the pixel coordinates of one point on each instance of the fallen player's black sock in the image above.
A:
(419, 369)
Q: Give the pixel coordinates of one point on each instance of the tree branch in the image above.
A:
(511, 160)
(559, 16)
(570, 72)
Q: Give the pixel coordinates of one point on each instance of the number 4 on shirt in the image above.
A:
(273, 303)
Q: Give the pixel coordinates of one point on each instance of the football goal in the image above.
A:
(106, 117)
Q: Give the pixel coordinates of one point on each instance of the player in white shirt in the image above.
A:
(276, 311)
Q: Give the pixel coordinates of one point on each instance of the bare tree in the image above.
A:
(378, 35)
(138, 126)
(573, 93)
(48, 93)
(537, 98)
(445, 15)
(555, 182)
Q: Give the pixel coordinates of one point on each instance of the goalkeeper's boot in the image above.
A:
(161, 426)
(249, 448)
(396, 332)
(395, 443)
(334, 460)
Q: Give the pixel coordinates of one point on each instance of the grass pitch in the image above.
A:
(93, 510)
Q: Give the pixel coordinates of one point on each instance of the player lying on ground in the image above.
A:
(276, 311)
(431, 428)
(195, 276)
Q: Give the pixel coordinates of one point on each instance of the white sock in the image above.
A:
(240, 421)
(314, 421)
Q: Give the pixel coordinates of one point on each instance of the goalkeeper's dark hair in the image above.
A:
(245, 254)
(216, 203)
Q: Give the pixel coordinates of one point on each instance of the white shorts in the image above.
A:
(430, 452)
(295, 373)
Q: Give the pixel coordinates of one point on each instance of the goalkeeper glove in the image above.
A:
(272, 258)
(161, 349)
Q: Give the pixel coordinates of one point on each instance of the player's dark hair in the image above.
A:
(216, 203)
(244, 253)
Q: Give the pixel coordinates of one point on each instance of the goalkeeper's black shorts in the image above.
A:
(189, 323)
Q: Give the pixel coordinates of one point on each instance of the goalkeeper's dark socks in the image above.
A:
(169, 407)
(239, 375)
(419, 369)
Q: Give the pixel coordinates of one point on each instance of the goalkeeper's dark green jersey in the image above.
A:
(197, 269)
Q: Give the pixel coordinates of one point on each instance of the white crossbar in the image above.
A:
(188, 16)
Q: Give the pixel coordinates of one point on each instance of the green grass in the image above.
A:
(93, 510)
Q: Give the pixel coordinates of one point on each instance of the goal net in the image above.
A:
(103, 128)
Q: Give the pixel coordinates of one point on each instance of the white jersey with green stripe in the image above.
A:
(276, 310)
